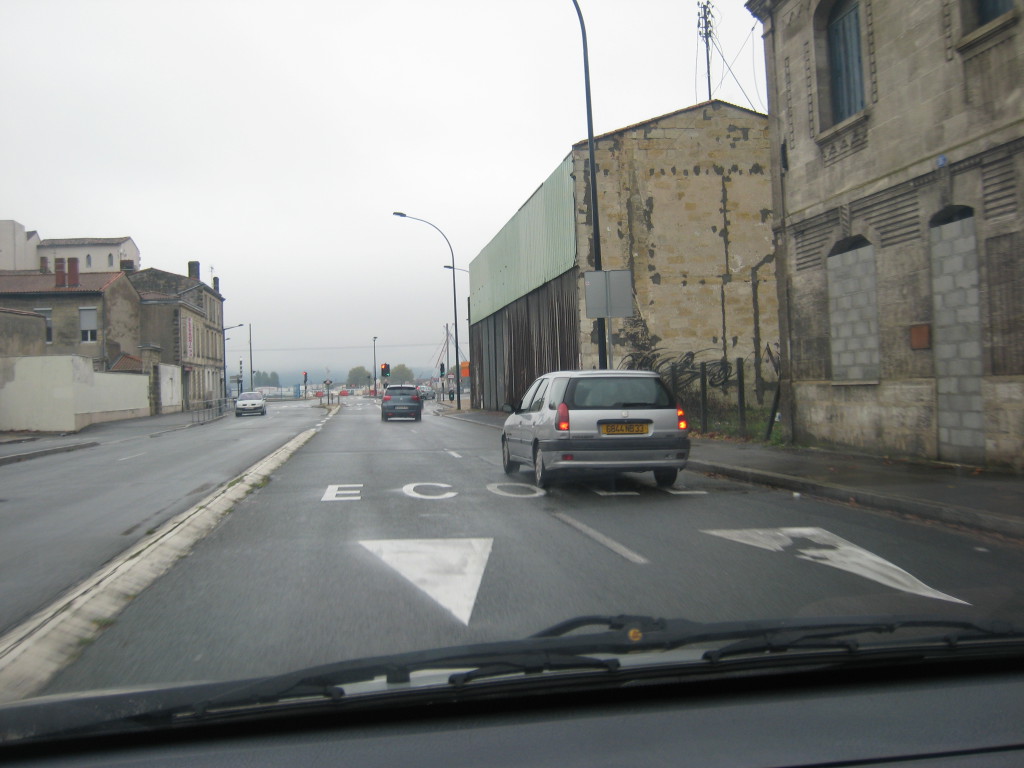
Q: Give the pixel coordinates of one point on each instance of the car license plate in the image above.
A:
(623, 429)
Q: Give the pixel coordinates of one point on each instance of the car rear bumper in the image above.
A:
(624, 454)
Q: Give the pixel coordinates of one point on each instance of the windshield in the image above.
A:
(328, 334)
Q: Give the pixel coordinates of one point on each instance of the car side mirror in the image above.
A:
(507, 408)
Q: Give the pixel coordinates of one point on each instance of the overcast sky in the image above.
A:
(271, 141)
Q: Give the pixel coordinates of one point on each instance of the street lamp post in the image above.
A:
(374, 366)
(251, 386)
(224, 355)
(455, 309)
(602, 352)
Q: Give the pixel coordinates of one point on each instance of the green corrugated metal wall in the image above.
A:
(536, 245)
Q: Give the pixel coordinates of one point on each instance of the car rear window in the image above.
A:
(597, 392)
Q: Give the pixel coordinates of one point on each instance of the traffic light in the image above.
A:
(304, 376)
(385, 370)
(442, 369)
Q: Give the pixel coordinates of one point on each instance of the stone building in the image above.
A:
(684, 206)
(898, 140)
(95, 314)
(22, 333)
(20, 250)
(183, 319)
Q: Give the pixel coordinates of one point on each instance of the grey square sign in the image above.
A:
(609, 293)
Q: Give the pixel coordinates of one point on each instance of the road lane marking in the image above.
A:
(449, 571)
(453, 454)
(524, 490)
(820, 546)
(410, 490)
(133, 456)
(602, 492)
(603, 540)
(683, 492)
(350, 492)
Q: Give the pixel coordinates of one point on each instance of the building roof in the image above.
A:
(701, 105)
(45, 282)
(127, 364)
(72, 241)
(27, 312)
(158, 296)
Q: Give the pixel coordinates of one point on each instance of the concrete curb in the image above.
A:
(988, 522)
(33, 652)
(15, 458)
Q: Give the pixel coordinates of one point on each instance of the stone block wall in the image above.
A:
(684, 204)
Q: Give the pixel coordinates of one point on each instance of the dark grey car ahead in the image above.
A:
(402, 400)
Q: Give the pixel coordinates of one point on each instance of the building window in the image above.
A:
(87, 323)
(988, 10)
(48, 314)
(88, 259)
(110, 259)
(845, 69)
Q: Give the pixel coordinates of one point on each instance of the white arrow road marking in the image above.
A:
(835, 552)
(448, 570)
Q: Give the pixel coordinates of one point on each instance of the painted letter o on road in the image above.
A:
(523, 490)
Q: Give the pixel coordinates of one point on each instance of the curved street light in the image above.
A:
(455, 308)
(602, 351)
(224, 356)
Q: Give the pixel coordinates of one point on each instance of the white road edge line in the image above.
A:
(31, 653)
(603, 540)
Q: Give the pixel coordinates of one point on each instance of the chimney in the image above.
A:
(73, 272)
(216, 285)
(58, 265)
(44, 264)
(193, 269)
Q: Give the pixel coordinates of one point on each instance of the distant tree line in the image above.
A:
(264, 379)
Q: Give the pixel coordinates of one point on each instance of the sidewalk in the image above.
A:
(987, 500)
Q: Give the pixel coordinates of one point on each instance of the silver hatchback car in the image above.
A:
(613, 421)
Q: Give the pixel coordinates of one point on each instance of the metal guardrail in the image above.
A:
(212, 409)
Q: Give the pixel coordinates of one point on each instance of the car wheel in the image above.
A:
(665, 477)
(419, 416)
(383, 417)
(541, 477)
(263, 412)
(237, 414)
(510, 467)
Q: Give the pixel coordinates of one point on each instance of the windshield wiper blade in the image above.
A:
(841, 636)
(533, 663)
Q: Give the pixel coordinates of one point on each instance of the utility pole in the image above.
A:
(705, 29)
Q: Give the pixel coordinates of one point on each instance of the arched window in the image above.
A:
(845, 67)
(110, 259)
(88, 259)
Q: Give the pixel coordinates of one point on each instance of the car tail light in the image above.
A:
(562, 423)
(681, 418)
(415, 398)
(386, 398)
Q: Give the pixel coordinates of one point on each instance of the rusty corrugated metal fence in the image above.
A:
(537, 333)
